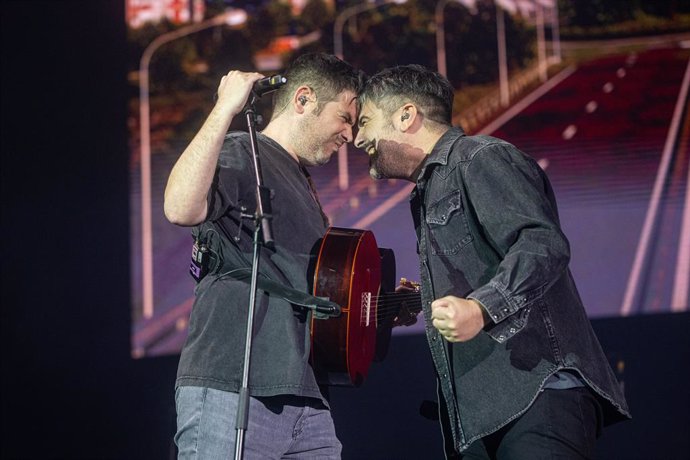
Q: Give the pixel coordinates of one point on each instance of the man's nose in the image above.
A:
(359, 140)
(348, 133)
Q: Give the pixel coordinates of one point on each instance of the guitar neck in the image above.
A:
(410, 298)
(390, 303)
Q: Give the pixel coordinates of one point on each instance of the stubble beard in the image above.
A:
(311, 146)
(380, 166)
(374, 173)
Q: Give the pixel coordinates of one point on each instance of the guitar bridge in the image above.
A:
(366, 307)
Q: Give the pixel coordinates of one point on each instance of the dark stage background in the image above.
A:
(70, 388)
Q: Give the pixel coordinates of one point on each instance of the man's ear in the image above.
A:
(302, 97)
(408, 116)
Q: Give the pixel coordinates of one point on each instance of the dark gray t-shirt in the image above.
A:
(214, 351)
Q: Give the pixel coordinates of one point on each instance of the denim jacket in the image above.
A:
(488, 229)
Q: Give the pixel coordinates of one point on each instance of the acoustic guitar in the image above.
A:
(349, 272)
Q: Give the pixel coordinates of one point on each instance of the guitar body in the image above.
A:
(348, 272)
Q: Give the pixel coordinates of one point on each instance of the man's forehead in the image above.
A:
(347, 100)
(346, 97)
(368, 109)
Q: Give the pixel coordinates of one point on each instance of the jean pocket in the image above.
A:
(447, 222)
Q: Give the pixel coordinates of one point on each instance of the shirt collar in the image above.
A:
(439, 154)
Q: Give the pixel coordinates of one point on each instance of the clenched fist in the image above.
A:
(457, 319)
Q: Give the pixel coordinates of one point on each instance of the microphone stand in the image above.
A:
(262, 235)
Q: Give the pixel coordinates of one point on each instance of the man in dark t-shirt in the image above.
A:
(213, 187)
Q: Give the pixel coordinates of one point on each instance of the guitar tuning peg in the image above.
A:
(410, 284)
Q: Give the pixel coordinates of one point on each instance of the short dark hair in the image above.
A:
(430, 91)
(325, 74)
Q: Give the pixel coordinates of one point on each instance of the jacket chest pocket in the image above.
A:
(447, 224)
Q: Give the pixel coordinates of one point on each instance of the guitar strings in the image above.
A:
(391, 302)
(397, 299)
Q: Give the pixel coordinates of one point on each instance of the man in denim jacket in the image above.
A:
(521, 373)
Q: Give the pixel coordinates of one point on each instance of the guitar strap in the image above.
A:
(323, 308)
(207, 259)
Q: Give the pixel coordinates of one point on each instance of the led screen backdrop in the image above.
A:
(600, 103)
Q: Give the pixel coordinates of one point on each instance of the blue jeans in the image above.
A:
(561, 424)
(280, 427)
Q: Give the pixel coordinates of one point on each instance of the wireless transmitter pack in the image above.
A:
(204, 260)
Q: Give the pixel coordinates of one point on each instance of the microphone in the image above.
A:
(264, 86)
(268, 85)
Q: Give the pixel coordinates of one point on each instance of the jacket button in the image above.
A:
(512, 330)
